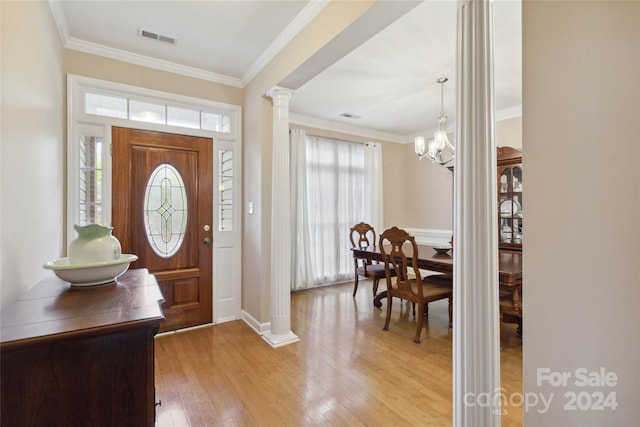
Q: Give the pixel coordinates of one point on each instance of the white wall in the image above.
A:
(304, 52)
(32, 135)
(581, 130)
(509, 133)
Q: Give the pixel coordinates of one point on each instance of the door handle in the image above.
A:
(206, 241)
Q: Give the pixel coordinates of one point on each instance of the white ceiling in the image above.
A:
(388, 83)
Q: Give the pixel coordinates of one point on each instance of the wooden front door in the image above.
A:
(162, 212)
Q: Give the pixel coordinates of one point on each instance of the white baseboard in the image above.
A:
(264, 330)
(260, 328)
(225, 319)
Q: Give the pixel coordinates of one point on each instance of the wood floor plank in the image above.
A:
(345, 371)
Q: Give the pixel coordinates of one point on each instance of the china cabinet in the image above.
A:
(510, 201)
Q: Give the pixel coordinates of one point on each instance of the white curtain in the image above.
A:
(332, 192)
(373, 207)
(302, 270)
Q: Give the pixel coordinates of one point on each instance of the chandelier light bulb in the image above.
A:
(420, 146)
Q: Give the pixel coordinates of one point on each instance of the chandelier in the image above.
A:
(439, 149)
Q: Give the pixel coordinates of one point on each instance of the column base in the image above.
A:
(276, 341)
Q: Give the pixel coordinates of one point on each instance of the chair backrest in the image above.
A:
(396, 246)
(362, 235)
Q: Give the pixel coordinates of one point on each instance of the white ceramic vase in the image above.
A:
(94, 244)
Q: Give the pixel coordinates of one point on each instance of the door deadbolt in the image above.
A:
(206, 227)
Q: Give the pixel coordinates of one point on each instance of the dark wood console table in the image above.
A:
(81, 356)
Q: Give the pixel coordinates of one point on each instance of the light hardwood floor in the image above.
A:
(345, 371)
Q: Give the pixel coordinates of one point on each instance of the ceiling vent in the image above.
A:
(155, 36)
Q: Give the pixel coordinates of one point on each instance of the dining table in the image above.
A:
(509, 264)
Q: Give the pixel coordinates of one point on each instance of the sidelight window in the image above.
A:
(90, 179)
(225, 190)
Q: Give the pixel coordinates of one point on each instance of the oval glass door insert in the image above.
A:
(165, 210)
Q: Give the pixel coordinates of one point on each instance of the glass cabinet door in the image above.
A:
(510, 205)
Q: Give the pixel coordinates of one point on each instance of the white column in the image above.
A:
(476, 344)
(280, 333)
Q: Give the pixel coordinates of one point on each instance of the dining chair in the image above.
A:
(397, 246)
(363, 235)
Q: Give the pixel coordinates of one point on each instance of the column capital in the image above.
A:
(280, 93)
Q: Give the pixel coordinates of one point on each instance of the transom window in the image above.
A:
(158, 113)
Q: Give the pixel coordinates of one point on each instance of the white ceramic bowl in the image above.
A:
(90, 274)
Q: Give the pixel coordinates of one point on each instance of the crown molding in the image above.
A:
(59, 19)
(147, 61)
(299, 22)
(315, 122)
(133, 58)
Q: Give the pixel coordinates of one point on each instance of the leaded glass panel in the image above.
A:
(165, 210)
